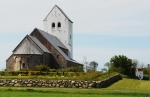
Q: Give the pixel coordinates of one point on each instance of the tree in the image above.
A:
(123, 65)
(93, 65)
(104, 70)
(139, 65)
(85, 63)
(148, 65)
(107, 64)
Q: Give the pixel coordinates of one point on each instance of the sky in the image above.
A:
(101, 28)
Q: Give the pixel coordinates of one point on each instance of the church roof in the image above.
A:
(26, 46)
(61, 12)
(56, 43)
(52, 39)
(39, 44)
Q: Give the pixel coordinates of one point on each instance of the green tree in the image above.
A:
(93, 66)
(104, 70)
(42, 68)
(107, 64)
(123, 65)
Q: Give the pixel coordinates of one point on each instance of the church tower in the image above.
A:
(58, 24)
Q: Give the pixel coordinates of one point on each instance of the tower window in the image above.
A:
(70, 36)
(53, 25)
(59, 24)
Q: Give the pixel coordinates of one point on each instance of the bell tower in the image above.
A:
(58, 24)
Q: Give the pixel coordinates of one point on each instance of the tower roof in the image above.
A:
(61, 12)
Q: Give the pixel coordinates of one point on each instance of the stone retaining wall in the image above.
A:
(59, 83)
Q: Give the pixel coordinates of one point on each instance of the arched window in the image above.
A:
(53, 25)
(59, 24)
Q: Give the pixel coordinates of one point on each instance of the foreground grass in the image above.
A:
(55, 92)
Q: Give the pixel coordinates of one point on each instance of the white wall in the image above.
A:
(63, 33)
(139, 74)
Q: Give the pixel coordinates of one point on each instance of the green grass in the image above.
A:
(39, 94)
(37, 77)
(55, 92)
(83, 76)
(122, 88)
(131, 85)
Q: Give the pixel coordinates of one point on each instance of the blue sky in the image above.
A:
(102, 28)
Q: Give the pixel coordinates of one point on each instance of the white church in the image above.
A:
(52, 47)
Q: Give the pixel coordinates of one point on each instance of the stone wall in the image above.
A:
(59, 83)
(28, 61)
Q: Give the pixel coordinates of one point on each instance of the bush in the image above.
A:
(74, 69)
(42, 68)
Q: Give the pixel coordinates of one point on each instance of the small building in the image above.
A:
(139, 73)
(52, 47)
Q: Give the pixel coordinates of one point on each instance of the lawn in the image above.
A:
(72, 93)
(122, 88)
(131, 85)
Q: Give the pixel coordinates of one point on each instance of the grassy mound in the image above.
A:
(131, 85)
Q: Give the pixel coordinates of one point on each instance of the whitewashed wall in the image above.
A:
(63, 33)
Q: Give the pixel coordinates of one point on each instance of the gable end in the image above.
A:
(61, 12)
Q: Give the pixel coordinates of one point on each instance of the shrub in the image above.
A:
(74, 69)
(35, 72)
(2, 73)
(29, 73)
(42, 68)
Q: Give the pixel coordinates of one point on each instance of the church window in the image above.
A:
(53, 25)
(57, 56)
(59, 24)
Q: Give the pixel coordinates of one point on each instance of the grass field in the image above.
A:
(49, 94)
(122, 88)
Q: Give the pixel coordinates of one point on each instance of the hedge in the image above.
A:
(28, 73)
